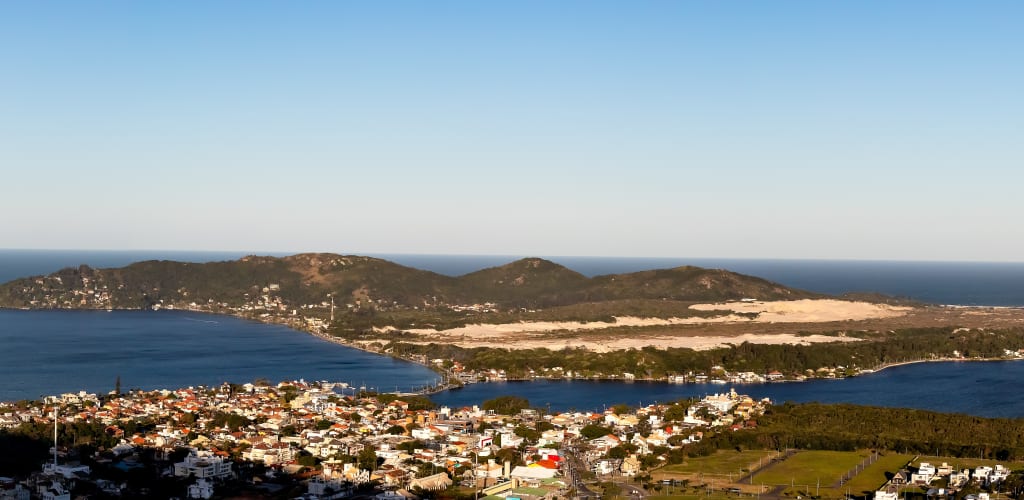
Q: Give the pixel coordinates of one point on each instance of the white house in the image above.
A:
(201, 489)
(886, 495)
(604, 467)
(203, 465)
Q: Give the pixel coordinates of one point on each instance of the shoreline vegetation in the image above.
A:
(535, 320)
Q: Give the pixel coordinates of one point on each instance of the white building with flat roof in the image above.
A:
(203, 464)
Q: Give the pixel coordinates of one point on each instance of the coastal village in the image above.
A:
(331, 444)
(326, 440)
(329, 440)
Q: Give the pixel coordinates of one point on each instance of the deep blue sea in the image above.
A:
(49, 352)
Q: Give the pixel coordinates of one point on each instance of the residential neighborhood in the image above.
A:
(312, 436)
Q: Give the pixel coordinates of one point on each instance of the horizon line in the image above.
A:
(271, 253)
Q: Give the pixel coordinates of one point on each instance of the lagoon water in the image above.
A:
(987, 389)
(49, 352)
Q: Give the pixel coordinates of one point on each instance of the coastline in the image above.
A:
(449, 381)
(886, 366)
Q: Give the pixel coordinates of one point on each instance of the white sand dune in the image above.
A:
(533, 334)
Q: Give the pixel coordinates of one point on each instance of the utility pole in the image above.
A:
(331, 295)
(55, 408)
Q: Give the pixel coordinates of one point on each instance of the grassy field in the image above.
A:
(724, 465)
(874, 475)
(810, 467)
(807, 473)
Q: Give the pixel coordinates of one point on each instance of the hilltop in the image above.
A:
(366, 283)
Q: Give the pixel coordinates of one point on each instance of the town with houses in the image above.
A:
(338, 445)
(326, 440)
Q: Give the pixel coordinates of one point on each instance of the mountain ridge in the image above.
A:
(367, 294)
(312, 277)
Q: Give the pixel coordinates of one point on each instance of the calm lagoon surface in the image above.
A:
(51, 352)
(989, 389)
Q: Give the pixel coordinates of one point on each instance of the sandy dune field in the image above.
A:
(558, 335)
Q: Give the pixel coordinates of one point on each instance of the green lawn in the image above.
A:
(810, 467)
(874, 475)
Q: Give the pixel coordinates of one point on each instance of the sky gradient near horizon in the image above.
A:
(796, 129)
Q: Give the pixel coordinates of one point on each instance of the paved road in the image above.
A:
(632, 491)
(573, 467)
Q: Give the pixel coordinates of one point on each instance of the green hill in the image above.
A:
(526, 282)
(689, 283)
(308, 281)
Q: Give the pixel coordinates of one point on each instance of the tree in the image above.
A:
(621, 409)
(1014, 484)
(509, 455)
(618, 452)
(506, 405)
(410, 446)
(306, 459)
(367, 459)
(527, 433)
(643, 427)
(622, 451)
(594, 431)
(675, 413)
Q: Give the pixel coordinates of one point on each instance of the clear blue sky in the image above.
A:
(792, 129)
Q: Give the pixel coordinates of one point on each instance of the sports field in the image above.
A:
(727, 465)
(810, 468)
(874, 475)
(812, 473)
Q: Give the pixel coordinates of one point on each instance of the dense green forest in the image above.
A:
(848, 427)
